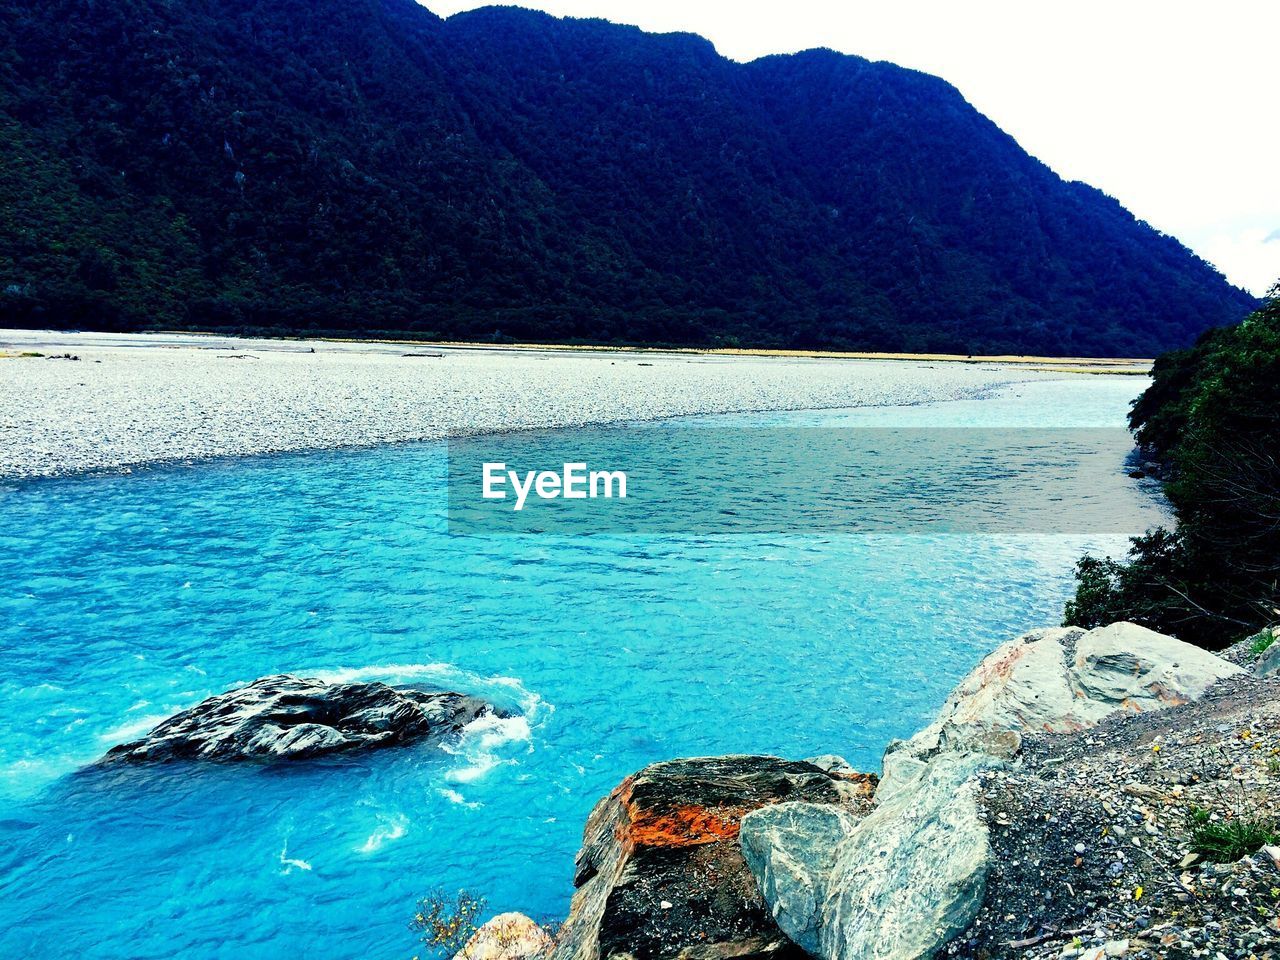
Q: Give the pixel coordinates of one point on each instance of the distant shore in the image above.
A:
(133, 399)
(1120, 365)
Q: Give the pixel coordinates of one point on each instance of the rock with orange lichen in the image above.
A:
(661, 875)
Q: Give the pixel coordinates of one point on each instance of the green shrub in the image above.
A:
(1210, 416)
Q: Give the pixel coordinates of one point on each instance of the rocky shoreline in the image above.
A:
(1061, 805)
(1081, 794)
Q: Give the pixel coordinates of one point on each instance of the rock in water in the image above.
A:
(661, 873)
(508, 936)
(287, 717)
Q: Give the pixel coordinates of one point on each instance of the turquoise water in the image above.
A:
(125, 598)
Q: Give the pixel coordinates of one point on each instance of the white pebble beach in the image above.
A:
(133, 399)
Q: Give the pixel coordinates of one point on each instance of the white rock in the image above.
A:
(832, 763)
(1268, 661)
(508, 936)
(1057, 680)
(1125, 666)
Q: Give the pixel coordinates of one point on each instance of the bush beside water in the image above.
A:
(1210, 418)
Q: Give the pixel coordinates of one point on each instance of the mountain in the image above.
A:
(363, 166)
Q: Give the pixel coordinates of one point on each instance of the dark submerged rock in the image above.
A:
(661, 873)
(286, 717)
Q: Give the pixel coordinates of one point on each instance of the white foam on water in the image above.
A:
(453, 796)
(481, 746)
(29, 769)
(389, 828)
(25, 777)
(134, 728)
(35, 688)
(488, 741)
(388, 672)
(289, 863)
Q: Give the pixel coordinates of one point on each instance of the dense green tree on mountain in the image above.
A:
(364, 166)
(1212, 416)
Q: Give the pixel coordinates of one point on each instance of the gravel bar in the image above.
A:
(132, 399)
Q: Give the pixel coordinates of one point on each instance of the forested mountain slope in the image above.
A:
(364, 166)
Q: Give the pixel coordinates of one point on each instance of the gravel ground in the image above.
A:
(1093, 837)
(134, 399)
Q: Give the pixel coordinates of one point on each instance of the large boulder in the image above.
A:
(508, 936)
(899, 883)
(661, 874)
(892, 885)
(911, 875)
(1058, 681)
(287, 717)
(790, 848)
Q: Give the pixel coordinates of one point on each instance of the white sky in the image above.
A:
(1172, 107)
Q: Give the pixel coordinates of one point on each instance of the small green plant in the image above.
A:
(1262, 642)
(444, 923)
(1198, 815)
(1229, 840)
